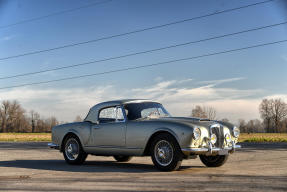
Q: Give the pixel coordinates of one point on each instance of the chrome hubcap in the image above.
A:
(72, 149)
(163, 152)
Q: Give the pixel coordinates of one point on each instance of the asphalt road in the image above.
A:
(34, 167)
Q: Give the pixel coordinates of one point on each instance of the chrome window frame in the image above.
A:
(123, 112)
(117, 120)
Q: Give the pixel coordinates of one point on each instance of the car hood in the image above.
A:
(187, 120)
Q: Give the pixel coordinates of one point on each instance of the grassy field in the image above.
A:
(263, 137)
(25, 137)
(244, 137)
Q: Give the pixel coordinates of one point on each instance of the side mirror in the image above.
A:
(97, 122)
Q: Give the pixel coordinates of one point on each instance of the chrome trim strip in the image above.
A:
(214, 125)
(53, 146)
(211, 150)
(111, 147)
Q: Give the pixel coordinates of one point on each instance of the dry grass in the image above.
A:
(25, 137)
(244, 137)
(263, 137)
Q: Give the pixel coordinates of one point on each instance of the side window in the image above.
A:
(111, 114)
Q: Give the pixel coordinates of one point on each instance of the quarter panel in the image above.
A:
(81, 129)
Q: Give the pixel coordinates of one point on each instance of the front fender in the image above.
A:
(182, 136)
(163, 129)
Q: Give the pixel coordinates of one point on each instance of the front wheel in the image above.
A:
(122, 158)
(73, 151)
(213, 161)
(165, 153)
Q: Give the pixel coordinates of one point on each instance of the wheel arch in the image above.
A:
(70, 133)
(156, 133)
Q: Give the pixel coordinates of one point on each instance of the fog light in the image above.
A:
(228, 138)
(213, 139)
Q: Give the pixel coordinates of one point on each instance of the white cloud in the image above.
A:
(277, 96)
(220, 81)
(228, 102)
(177, 95)
(232, 109)
(62, 103)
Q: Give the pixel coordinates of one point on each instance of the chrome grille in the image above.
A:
(217, 129)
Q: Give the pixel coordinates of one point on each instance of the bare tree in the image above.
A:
(251, 126)
(12, 116)
(273, 112)
(284, 126)
(198, 112)
(242, 125)
(14, 119)
(4, 114)
(279, 112)
(34, 119)
(50, 123)
(265, 110)
(254, 126)
(210, 112)
(78, 118)
(204, 112)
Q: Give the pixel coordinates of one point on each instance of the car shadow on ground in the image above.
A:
(88, 166)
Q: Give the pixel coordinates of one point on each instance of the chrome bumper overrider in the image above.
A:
(210, 150)
(53, 146)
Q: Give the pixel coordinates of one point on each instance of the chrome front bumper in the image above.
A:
(210, 150)
(53, 146)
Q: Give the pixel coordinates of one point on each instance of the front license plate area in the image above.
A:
(223, 152)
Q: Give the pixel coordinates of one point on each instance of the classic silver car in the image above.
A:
(126, 128)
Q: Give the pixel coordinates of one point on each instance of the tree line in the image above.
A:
(273, 113)
(14, 118)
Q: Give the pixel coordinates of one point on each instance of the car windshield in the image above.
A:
(145, 110)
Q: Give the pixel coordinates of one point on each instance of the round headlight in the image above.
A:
(228, 138)
(236, 132)
(196, 133)
(213, 138)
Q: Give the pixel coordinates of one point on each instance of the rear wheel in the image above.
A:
(73, 151)
(165, 153)
(213, 161)
(122, 158)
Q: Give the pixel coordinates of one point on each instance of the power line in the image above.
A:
(145, 66)
(53, 14)
(143, 52)
(132, 32)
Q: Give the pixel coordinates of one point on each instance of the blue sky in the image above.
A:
(233, 83)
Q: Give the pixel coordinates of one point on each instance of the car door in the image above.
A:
(110, 131)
